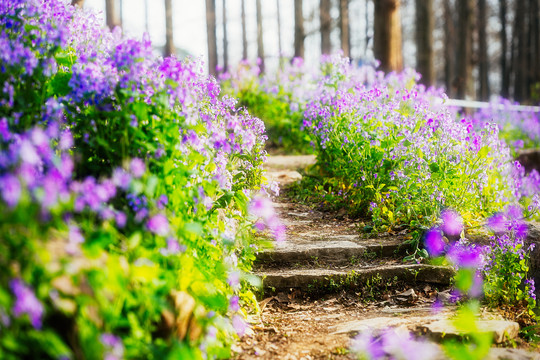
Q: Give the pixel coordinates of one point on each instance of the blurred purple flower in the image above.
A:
(452, 223)
(114, 348)
(120, 219)
(162, 201)
(11, 189)
(137, 167)
(158, 224)
(497, 223)
(121, 178)
(464, 256)
(434, 242)
(239, 325)
(234, 305)
(234, 279)
(26, 303)
(365, 345)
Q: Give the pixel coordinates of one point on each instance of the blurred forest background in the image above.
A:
(475, 49)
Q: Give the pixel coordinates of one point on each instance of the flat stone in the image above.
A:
(376, 324)
(502, 330)
(284, 177)
(328, 280)
(336, 252)
(511, 354)
(289, 161)
(298, 249)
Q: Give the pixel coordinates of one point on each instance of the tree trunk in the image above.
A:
(325, 26)
(279, 29)
(244, 32)
(483, 60)
(211, 35)
(113, 14)
(387, 35)
(449, 48)
(169, 40)
(260, 42)
(225, 41)
(534, 46)
(505, 73)
(79, 3)
(299, 34)
(425, 23)
(521, 42)
(344, 27)
(464, 79)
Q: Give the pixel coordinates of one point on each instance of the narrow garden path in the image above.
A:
(328, 282)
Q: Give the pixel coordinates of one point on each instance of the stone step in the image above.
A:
(335, 250)
(329, 280)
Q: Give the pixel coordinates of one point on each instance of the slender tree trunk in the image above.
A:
(225, 41)
(505, 73)
(279, 29)
(169, 40)
(449, 48)
(299, 34)
(483, 60)
(146, 18)
(325, 26)
(344, 27)
(112, 10)
(260, 42)
(366, 13)
(387, 36)
(425, 23)
(211, 35)
(521, 42)
(244, 31)
(79, 3)
(534, 46)
(464, 80)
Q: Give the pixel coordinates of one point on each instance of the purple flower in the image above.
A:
(26, 303)
(234, 279)
(11, 189)
(497, 223)
(464, 256)
(121, 219)
(158, 224)
(239, 325)
(234, 305)
(434, 242)
(367, 346)
(261, 207)
(137, 167)
(452, 223)
(114, 348)
(121, 178)
(162, 201)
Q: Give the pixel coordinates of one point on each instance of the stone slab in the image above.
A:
(325, 280)
(337, 252)
(436, 327)
(291, 162)
(502, 330)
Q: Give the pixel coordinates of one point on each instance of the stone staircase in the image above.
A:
(329, 282)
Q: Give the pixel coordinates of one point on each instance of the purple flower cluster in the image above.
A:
(26, 303)
(262, 209)
(392, 344)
